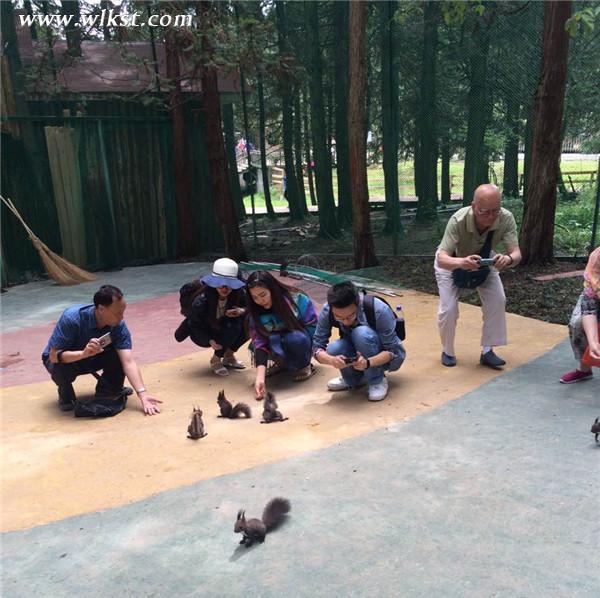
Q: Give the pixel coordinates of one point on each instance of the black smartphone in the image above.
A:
(350, 360)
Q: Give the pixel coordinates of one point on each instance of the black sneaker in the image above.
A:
(491, 360)
(65, 403)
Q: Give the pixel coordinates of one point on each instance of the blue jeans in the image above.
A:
(294, 348)
(366, 341)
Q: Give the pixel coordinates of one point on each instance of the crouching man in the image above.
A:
(363, 353)
(80, 344)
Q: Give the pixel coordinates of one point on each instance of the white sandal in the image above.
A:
(216, 363)
(230, 361)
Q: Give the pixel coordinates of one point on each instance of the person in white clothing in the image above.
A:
(467, 259)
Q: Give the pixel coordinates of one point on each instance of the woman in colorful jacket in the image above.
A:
(583, 327)
(281, 324)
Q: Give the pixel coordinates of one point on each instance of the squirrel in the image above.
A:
(196, 427)
(229, 411)
(596, 429)
(270, 412)
(256, 529)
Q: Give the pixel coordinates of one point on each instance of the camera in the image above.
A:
(105, 340)
(485, 261)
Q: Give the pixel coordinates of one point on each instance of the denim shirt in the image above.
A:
(385, 323)
(77, 326)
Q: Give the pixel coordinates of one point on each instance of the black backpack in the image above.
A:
(369, 305)
(187, 293)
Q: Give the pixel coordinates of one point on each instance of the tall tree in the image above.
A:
(510, 183)
(477, 101)
(427, 206)
(292, 192)
(364, 248)
(70, 8)
(186, 244)
(344, 209)
(298, 151)
(234, 179)
(389, 115)
(263, 146)
(217, 161)
(309, 160)
(537, 230)
(328, 226)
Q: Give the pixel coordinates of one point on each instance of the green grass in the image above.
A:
(376, 185)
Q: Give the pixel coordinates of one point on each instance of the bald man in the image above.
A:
(472, 233)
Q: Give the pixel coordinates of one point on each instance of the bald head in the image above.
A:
(486, 193)
(486, 205)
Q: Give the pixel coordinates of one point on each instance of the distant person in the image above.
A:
(215, 307)
(362, 354)
(74, 349)
(583, 326)
(472, 234)
(281, 323)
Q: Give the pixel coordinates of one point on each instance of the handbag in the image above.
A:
(471, 279)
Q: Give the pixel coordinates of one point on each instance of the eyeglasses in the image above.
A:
(486, 212)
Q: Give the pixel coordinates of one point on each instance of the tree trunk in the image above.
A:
(446, 189)
(309, 160)
(291, 193)
(73, 29)
(298, 152)
(186, 245)
(364, 248)
(328, 226)
(527, 156)
(427, 206)
(344, 205)
(477, 120)
(510, 182)
(537, 230)
(217, 162)
(389, 116)
(263, 147)
(234, 179)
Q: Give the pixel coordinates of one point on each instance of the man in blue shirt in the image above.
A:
(362, 354)
(74, 349)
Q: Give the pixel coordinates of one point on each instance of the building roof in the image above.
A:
(106, 67)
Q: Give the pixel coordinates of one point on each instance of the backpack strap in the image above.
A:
(487, 246)
(369, 307)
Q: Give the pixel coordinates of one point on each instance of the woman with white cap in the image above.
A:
(216, 315)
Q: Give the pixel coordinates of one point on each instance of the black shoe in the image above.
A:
(66, 405)
(491, 360)
(66, 398)
(448, 360)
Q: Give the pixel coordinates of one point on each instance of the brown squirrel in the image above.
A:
(256, 529)
(270, 412)
(229, 411)
(196, 427)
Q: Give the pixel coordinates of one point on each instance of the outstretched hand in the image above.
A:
(150, 404)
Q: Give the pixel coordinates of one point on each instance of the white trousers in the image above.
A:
(493, 301)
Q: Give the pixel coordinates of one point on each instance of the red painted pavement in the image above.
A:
(152, 323)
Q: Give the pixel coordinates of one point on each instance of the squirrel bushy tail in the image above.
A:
(239, 409)
(275, 512)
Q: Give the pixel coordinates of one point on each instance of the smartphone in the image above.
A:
(487, 261)
(105, 340)
(350, 360)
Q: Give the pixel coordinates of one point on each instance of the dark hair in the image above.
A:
(342, 294)
(281, 297)
(106, 294)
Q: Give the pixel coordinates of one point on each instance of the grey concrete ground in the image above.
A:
(43, 301)
(494, 494)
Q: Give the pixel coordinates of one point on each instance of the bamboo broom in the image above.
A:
(61, 270)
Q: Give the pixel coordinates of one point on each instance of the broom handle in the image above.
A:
(9, 204)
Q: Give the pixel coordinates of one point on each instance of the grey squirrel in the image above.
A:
(596, 429)
(256, 529)
(270, 412)
(196, 427)
(230, 411)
